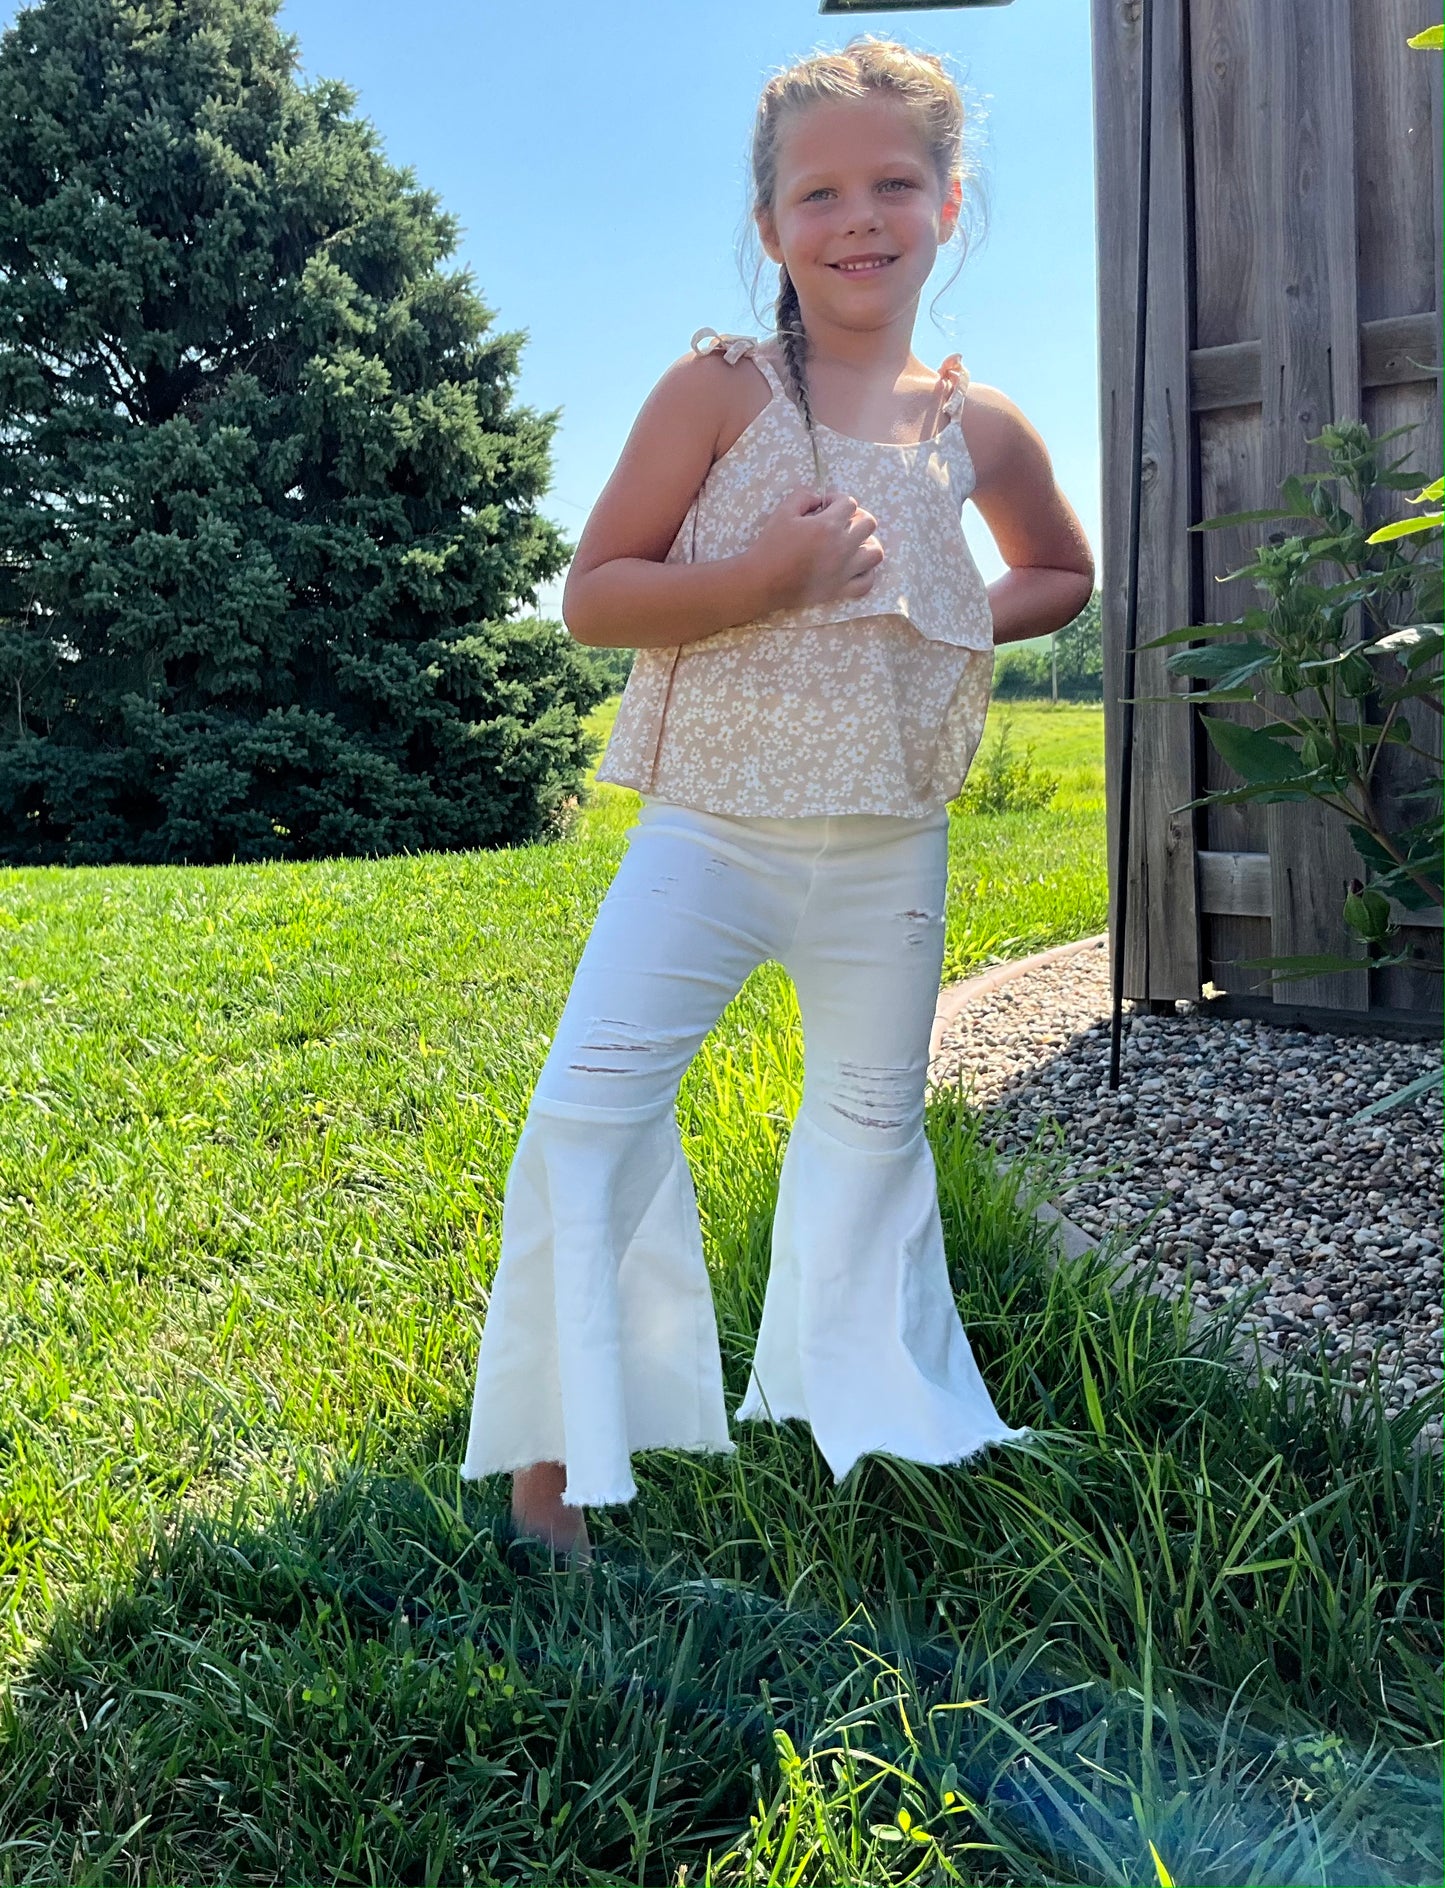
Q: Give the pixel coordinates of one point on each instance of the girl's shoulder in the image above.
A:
(744, 394)
(708, 392)
(764, 353)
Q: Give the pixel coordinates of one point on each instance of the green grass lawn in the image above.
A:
(254, 1131)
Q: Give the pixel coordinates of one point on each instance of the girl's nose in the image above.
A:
(861, 216)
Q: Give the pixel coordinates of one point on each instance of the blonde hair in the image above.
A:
(866, 64)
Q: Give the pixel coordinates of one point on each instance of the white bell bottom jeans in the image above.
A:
(600, 1337)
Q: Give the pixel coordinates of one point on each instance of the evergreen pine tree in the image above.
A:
(267, 508)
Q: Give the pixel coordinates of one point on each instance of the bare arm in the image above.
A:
(620, 591)
(1051, 567)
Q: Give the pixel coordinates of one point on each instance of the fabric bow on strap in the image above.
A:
(956, 375)
(734, 346)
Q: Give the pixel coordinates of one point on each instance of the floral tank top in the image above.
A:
(871, 704)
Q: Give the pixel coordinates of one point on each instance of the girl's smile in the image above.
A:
(858, 200)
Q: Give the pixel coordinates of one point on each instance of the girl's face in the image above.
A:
(858, 212)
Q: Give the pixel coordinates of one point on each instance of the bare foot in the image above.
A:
(538, 1510)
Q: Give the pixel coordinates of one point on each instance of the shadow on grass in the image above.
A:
(1198, 1623)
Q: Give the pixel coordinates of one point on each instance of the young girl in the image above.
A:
(781, 543)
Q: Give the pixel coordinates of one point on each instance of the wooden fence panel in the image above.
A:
(1295, 256)
(1398, 189)
(1310, 375)
(1229, 222)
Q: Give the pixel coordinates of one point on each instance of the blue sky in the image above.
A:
(595, 155)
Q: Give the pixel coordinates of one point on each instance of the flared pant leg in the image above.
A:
(860, 1334)
(600, 1337)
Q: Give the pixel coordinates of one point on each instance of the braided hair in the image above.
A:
(793, 340)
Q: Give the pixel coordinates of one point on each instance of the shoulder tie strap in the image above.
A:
(734, 348)
(955, 376)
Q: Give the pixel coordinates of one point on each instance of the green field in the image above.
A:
(255, 1125)
(1068, 739)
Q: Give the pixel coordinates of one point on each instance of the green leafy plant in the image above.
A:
(1345, 695)
(1004, 782)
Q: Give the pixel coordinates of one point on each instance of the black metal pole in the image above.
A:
(1136, 471)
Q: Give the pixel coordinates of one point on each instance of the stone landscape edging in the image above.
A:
(1070, 1240)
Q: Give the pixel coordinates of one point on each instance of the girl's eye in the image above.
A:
(888, 183)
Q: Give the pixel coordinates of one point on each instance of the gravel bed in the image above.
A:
(1235, 1135)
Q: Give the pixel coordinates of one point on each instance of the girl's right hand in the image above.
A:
(817, 548)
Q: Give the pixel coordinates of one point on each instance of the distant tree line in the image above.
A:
(1074, 654)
